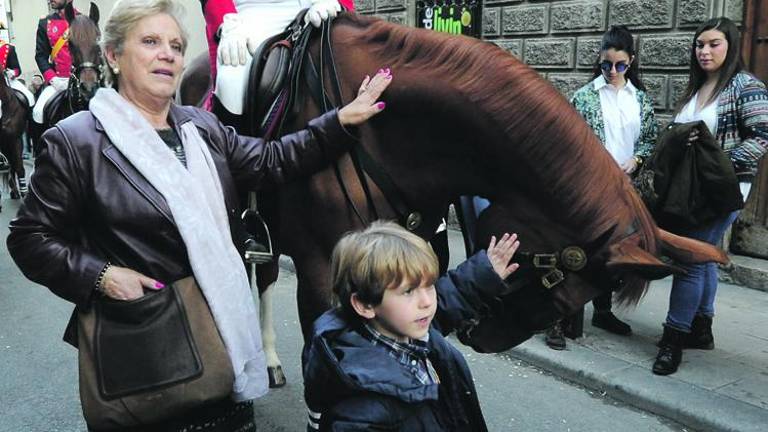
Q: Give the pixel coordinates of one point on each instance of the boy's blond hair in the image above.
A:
(382, 256)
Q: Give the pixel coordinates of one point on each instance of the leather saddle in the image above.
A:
(270, 80)
(22, 99)
(267, 82)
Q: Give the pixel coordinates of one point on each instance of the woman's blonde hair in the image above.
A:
(127, 13)
(381, 257)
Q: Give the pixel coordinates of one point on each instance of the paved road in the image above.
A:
(38, 380)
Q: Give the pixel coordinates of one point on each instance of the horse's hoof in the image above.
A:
(276, 376)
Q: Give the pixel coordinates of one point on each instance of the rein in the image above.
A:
(362, 161)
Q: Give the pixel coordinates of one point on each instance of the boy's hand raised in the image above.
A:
(501, 253)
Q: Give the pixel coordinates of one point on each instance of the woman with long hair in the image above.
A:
(620, 112)
(734, 106)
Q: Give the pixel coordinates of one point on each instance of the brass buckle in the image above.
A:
(552, 278)
(574, 258)
(545, 260)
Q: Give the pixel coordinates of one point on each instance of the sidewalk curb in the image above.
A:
(685, 403)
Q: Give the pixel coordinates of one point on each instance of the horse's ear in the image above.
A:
(93, 13)
(627, 256)
(690, 251)
(69, 12)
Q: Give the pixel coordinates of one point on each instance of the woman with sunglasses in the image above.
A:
(734, 106)
(620, 112)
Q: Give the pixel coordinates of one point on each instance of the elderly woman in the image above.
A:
(134, 195)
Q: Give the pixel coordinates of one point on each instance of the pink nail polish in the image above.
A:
(380, 71)
(381, 105)
(159, 285)
(387, 71)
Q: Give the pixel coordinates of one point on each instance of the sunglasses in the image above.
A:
(606, 66)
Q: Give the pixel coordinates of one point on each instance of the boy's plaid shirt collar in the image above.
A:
(412, 355)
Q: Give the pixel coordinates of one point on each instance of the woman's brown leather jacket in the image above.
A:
(88, 205)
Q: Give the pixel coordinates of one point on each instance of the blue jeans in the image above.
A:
(694, 293)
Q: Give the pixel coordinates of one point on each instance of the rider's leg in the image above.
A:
(45, 96)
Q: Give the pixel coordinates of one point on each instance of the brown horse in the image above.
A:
(464, 117)
(13, 123)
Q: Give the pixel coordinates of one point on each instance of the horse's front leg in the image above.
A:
(266, 320)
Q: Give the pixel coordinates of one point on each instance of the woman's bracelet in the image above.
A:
(100, 280)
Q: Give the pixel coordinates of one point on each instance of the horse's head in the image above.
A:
(464, 117)
(87, 73)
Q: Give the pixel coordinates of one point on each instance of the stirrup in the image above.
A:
(258, 247)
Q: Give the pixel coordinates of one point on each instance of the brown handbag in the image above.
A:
(150, 359)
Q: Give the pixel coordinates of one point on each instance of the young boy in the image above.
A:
(379, 361)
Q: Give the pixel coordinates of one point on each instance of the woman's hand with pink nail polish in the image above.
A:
(122, 283)
(365, 104)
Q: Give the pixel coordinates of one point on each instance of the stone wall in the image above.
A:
(560, 39)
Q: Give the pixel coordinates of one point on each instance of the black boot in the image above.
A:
(608, 322)
(701, 334)
(555, 338)
(670, 353)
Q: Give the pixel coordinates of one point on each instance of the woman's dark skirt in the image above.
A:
(225, 416)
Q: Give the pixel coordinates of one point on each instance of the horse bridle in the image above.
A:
(364, 164)
(76, 99)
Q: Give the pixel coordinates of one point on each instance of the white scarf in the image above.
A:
(196, 200)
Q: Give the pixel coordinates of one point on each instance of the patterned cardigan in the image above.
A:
(586, 100)
(742, 122)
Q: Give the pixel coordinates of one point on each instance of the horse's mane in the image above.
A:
(541, 124)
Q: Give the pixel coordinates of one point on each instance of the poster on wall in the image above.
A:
(454, 17)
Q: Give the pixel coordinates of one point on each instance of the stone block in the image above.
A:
(691, 13)
(525, 20)
(397, 18)
(490, 2)
(569, 17)
(363, 6)
(567, 84)
(587, 50)
(677, 86)
(657, 89)
(491, 21)
(734, 9)
(641, 14)
(549, 53)
(749, 238)
(388, 5)
(514, 46)
(665, 51)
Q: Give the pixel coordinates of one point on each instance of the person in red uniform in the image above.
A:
(9, 61)
(52, 54)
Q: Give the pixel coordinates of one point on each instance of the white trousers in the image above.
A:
(45, 96)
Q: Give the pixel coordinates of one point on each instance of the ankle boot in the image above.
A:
(670, 353)
(701, 334)
(608, 322)
(554, 337)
